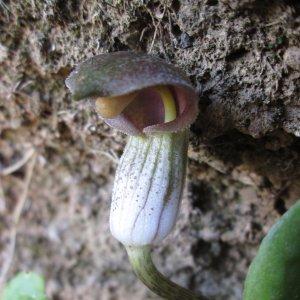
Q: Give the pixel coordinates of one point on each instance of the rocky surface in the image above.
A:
(244, 167)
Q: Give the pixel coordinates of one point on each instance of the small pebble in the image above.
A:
(292, 58)
(186, 41)
(3, 53)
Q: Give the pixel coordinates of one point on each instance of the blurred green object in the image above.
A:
(274, 274)
(25, 286)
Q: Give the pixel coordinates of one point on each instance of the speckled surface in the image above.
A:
(243, 59)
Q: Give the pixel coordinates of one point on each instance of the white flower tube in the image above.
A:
(148, 187)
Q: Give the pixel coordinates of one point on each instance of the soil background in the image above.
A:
(58, 159)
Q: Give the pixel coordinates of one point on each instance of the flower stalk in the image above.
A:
(142, 264)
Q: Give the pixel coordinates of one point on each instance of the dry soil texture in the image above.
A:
(243, 57)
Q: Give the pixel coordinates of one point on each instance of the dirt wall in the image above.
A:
(57, 159)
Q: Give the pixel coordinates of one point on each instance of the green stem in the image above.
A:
(141, 261)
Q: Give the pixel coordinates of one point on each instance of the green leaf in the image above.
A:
(25, 286)
(274, 274)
